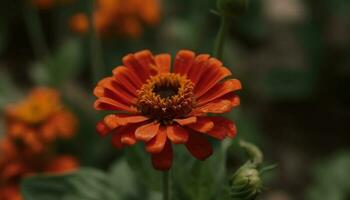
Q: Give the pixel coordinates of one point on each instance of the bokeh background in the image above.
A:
(292, 57)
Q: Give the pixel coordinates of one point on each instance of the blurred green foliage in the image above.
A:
(331, 178)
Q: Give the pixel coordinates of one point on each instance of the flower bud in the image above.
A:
(246, 183)
(232, 7)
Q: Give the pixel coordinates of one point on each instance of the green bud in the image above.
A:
(246, 183)
(232, 8)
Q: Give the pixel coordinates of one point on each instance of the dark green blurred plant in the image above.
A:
(331, 178)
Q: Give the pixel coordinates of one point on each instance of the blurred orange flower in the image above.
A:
(38, 120)
(62, 163)
(119, 17)
(18, 166)
(161, 108)
(10, 193)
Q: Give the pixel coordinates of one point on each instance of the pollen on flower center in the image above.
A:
(165, 97)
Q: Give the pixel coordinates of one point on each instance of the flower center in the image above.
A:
(166, 97)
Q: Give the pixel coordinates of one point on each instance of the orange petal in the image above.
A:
(146, 59)
(115, 120)
(183, 61)
(214, 73)
(156, 145)
(222, 128)
(163, 62)
(221, 105)
(199, 146)
(219, 90)
(147, 132)
(107, 93)
(163, 160)
(119, 85)
(177, 134)
(128, 75)
(124, 81)
(189, 120)
(104, 103)
(198, 68)
(202, 125)
(131, 63)
(128, 135)
(102, 129)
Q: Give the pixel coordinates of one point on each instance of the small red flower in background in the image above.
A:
(161, 108)
(38, 120)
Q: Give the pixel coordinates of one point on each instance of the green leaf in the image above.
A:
(89, 184)
(85, 184)
(201, 180)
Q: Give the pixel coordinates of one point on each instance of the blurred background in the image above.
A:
(292, 57)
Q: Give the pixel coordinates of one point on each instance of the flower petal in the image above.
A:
(146, 59)
(199, 146)
(189, 120)
(115, 95)
(131, 63)
(156, 144)
(183, 62)
(128, 135)
(104, 103)
(177, 134)
(147, 132)
(115, 120)
(199, 66)
(124, 73)
(116, 140)
(202, 125)
(102, 128)
(222, 128)
(221, 105)
(214, 73)
(163, 62)
(163, 160)
(219, 90)
(125, 80)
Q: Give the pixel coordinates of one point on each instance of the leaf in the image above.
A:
(89, 184)
(85, 184)
(201, 180)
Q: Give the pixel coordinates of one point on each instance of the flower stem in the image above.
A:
(36, 33)
(220, 38)
(166, 185)
(95, 48)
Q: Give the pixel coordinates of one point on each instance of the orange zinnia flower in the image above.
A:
(160, 107)
(38, 120)
(119, 17)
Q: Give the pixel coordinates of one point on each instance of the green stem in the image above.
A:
(36, 33)
(220, 38)
(253, 151)
(166, 186)
(95, 48)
